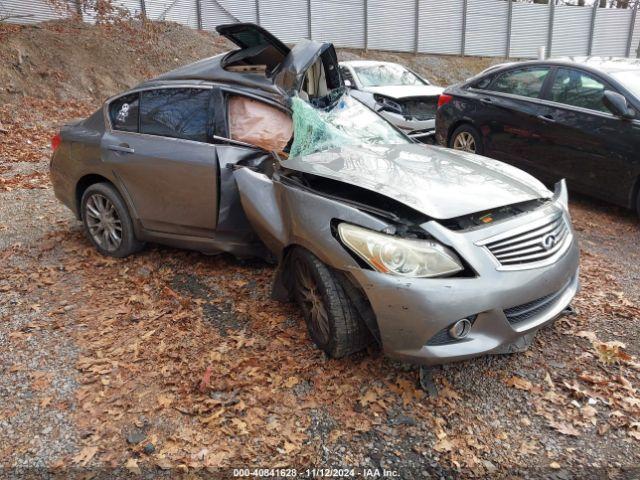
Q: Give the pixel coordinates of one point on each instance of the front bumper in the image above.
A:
(418, 129)
(411, 312)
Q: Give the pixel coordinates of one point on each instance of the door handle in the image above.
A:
(546, 118)
(121, 148)
(486, 100)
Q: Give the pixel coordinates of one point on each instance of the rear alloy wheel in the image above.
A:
(467, 139)
(333, 322)
(107, 222)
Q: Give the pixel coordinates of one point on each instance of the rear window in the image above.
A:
(123, 113)
(526, 82)
(176, 113)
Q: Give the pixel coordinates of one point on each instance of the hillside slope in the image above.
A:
(70, 60)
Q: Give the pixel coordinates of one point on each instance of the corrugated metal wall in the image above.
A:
(391, 24)
(529, 29)
(181, 11)
(218, 12)
(295, 12)
(338, 21)
(611, 32)
(440, 28)
(33, 11)
(486, 28)
(635, 39)
(571, 28)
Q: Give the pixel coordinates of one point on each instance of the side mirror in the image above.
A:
(348, 84)
(617, 104)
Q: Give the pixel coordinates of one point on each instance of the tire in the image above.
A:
(340, 331)
(107, 222)
(638, 203)
(463, 135)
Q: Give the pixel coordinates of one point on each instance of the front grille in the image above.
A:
(420, 108)
(535, 245)
(533, 308)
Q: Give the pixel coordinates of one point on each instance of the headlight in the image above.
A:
(400, 256)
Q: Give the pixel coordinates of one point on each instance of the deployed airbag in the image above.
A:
(258, 123)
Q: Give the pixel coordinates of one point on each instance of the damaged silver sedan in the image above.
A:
(437, 255)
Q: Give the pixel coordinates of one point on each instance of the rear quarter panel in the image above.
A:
(78, 155)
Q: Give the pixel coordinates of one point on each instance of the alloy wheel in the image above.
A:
(464, 141)
(312, 303)
(103, 222)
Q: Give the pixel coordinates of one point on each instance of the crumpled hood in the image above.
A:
(438, 182)
(405, 91)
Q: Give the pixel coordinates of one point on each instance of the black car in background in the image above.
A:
(575, 118)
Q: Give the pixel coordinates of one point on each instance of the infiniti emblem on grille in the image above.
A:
(548, 242)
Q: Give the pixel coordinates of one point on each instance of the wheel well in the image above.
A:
(84, 183)
(453, 127)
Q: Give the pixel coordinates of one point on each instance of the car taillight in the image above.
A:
(443, 99)
(55, 141)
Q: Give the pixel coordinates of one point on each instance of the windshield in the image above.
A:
(630, 79)
(386, 74)
(348, 122)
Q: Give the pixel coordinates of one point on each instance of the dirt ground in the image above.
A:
(171, 361)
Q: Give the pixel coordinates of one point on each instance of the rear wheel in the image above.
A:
(332, 320)
(107, 222)
(467, 139)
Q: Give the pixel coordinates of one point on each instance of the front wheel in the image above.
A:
(107, 222)
(332, 320)
(467, 139)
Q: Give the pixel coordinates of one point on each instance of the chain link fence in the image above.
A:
(500, 28)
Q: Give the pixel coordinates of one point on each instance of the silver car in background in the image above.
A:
(435, 254)
(397, 93)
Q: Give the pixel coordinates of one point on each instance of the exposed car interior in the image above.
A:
(320, 78)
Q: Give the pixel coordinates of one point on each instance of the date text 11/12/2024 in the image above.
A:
(315, 472)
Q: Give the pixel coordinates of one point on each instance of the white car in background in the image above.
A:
(397, 93)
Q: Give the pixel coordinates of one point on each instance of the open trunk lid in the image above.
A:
(289, 69)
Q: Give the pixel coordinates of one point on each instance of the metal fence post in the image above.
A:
(79, 9)
(509, 21)
(309, 19)
(143, 9)
(258, 12)
(464, 27)
(199, 13)
(632, 27)
(592, 28)
(366, 24)
(416, 27)
(552, 8)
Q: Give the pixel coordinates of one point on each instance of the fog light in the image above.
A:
(460, 329)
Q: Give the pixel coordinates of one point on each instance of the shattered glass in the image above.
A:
(386, 74)
(347, 122)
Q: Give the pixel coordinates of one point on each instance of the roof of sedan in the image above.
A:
(605, 64)
(211, 70)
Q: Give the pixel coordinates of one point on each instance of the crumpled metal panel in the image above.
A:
(529, 29)
(440, 29)
(486, 28)
(611, 32)
(391, 25)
